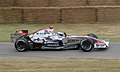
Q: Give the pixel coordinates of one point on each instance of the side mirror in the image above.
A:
(65, 34)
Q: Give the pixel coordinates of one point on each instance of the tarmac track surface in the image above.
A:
(7, 50)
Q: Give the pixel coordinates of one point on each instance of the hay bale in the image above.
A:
(108, 14)
(7, 3)
(67, 3)
(41, 15)
(32, 3)
(9, 15)
(79, 15)
(104, 2)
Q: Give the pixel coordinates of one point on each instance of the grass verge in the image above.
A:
(104, 31)
(59, 65)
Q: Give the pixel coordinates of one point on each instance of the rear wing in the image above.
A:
(18, 34)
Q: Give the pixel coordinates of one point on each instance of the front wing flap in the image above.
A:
(103, 44)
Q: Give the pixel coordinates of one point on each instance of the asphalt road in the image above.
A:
(7, 50)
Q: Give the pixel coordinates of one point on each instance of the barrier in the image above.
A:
(7, 3)
(32, 3)
(10, 15)
(40, 15)
(56, 3)
(67, 3)
(108, 14)
(79, 15)
(104, 2)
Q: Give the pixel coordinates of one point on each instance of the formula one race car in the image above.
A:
(45, 38)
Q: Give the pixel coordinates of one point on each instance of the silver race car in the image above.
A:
(45, 38)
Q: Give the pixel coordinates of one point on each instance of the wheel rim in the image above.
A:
(86, 44)
(21, 46)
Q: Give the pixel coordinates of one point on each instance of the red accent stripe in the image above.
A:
(39, 30)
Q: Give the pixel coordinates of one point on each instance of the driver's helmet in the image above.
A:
(51, 27)
(60, 34)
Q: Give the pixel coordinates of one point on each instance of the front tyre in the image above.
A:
(21, 45)
(86, 44)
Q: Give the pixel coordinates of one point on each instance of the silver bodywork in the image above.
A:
(68, 42)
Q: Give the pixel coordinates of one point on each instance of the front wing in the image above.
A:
(104, 44)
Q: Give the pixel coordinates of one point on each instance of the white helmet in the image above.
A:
(60, 34)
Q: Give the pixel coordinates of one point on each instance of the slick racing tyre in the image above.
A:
(86, 44)
(92, 35)
(21, 44)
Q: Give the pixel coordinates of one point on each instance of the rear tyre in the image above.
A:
(21, 45)
(86, 44)
(92, 35)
